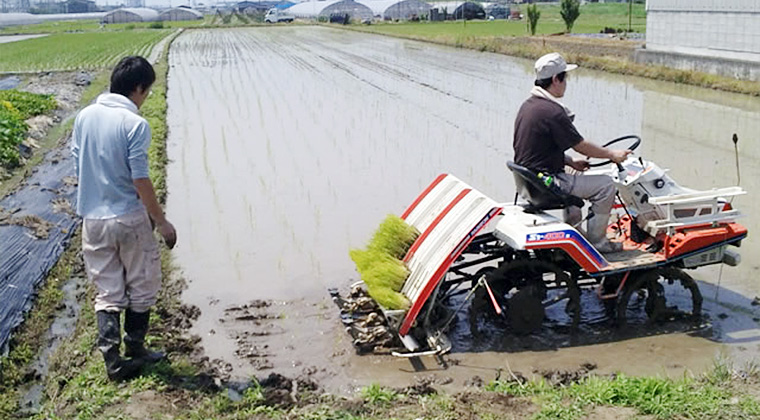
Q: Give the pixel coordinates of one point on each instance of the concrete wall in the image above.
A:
(704, 35)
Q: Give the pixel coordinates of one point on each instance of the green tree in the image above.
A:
(570, 10)
(533, 15)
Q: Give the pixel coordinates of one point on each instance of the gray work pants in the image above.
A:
(600, 191)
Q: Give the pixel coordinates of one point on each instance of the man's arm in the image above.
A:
(148, 196)
(75, 148)
(139, 141)
(589, 149)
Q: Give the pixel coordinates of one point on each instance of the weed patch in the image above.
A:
(703, 397)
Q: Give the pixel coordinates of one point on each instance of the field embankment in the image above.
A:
(611, 53)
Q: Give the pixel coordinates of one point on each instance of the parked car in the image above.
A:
(278, 15)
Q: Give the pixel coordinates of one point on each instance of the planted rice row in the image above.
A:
(83, 50)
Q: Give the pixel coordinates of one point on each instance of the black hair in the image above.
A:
(545, 83)
(131, 73)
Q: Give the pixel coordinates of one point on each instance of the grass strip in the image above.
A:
(76, 353)
(716, 394)
(26, 341)
(613, 56)
(77, 386)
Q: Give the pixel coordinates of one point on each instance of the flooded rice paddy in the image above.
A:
(289, 145)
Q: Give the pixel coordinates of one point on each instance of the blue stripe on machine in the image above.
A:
(568, 235)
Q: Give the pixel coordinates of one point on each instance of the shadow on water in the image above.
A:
(731, 319)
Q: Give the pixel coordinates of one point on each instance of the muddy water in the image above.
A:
(289, 145)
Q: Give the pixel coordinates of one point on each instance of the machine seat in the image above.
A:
(539, 196)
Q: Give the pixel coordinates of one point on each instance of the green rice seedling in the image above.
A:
(388, 298)
(366, 258)
(394, 237)
(380, 265)
(387, 274)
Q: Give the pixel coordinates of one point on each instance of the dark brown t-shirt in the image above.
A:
(543, 132)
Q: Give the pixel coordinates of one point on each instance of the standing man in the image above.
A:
(544, 130)
(117, 201)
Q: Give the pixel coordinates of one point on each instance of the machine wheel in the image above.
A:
(649, 293)
(521, 285)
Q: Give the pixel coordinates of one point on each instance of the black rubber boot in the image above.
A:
(135, 328)
(109, 341)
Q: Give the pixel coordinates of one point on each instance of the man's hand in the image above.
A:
(618, 156)
(166, 229)
(578, 164)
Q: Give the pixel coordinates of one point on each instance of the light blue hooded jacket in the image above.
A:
(110, 147)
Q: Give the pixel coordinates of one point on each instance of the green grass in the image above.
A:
(25, 342)
(713, 395)
(593, 18)
(376, 394)
(82, 50)
(154, 111)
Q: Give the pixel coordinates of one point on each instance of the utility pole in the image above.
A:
(630, 9)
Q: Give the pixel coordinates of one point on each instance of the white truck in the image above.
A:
(278, 15)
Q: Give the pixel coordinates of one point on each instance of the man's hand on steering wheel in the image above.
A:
(619, 156)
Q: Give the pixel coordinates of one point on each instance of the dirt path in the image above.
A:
(288, 147)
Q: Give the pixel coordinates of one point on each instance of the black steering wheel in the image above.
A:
(633, 146)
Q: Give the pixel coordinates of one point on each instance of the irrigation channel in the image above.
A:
(289, 145)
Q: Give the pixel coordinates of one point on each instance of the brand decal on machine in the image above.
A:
(549, 236)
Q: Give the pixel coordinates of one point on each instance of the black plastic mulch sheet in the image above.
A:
(25, 258)
(10, 82)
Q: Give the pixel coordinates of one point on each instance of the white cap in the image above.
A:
(551, 65)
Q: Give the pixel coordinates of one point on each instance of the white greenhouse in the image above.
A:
(180, 13)
(458, 9)
(130, 15)
(316, 9)
(397, 9)
(11, 19)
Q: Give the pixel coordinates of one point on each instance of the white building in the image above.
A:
(716, 36)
